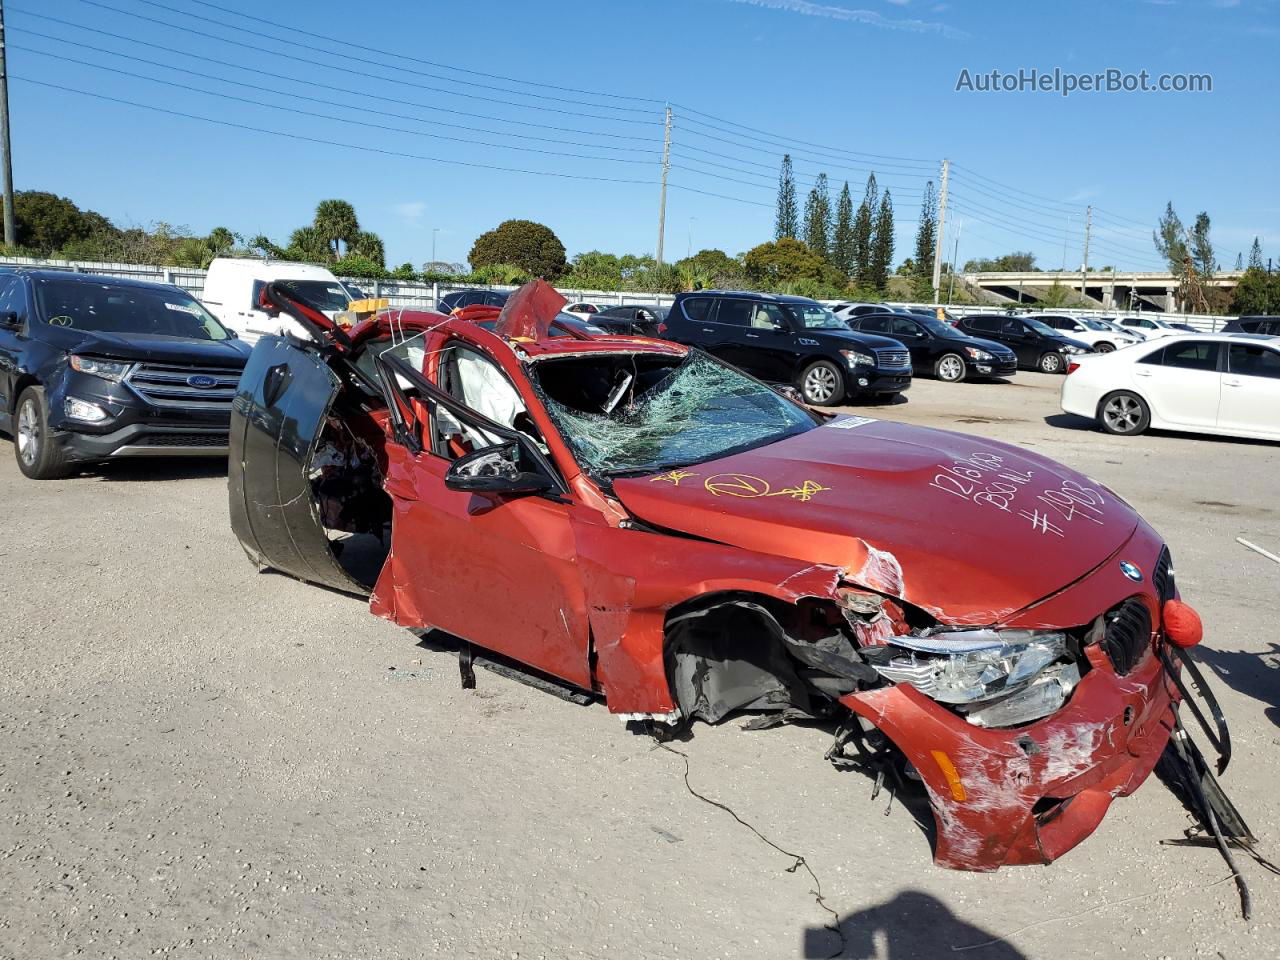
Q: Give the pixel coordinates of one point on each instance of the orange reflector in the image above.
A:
(949, 771)
(1182, 624)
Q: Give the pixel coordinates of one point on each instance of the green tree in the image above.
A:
(308, 244)
(1016, 262)
(882, 244)
(1170, 239)
(45, 222)
(1255, 254)
(785, 221)
(1202, 247)
(926, 242)
(335, 222)
(864, 232)
(1255, 293)
(368, 245)
(842, 239)
(530, 246)
(358, 265)
(817, 218)
(708, 269)
(782, 260)
(594, 270)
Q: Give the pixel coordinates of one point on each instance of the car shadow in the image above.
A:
(913, 925)
(1256, 675)
(148, 469)
(1069, 421)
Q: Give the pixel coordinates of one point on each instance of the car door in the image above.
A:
(913, 336)
(1185, 387)
(498, 571)
(726, 333)
(1251, 390)
(1022, 340)
(774, 347)
(11, 341)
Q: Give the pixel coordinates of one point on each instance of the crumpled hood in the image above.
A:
(970, 529)
(145, 346)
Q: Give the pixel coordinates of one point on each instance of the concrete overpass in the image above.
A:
(1118, 290)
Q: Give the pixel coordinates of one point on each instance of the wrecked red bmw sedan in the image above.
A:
(645, 523)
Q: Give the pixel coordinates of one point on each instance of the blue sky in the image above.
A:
(847, 87)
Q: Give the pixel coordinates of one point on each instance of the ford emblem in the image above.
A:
(202, 381)
(1131, 570)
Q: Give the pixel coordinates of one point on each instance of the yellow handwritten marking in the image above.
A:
(674, 477)
(749, 487)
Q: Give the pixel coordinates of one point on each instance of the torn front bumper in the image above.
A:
(1029, 794)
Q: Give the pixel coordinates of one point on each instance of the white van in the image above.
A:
(233, 284)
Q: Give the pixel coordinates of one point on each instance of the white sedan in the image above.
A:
(1095, 333)
(1151, 327)
(583, 309)
(1199, 383)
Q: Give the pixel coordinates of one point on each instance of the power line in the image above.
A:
(293, 28)
(771, 181)
(314, 83)
(330, 143)
(322, 116)
(455, 93)
(771, 150)
(773, 168)
(1004, 186)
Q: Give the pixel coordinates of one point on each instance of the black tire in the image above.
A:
(950, 368)
(38, 458)
(1052, 362)
(1124, 414)
(1104, 347)
(822, 384)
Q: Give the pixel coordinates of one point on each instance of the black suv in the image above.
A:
(93, 368)
(939, 349)
(1038, 345)
(1267, 326)
(791, 340)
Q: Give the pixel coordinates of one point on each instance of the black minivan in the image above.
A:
(94, 368)
(1038, 345)
(792, 340)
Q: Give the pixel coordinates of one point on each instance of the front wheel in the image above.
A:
(1124, 414)
(950, 368)
(1105, 347)
(38, 456)
(822, 384)
(1051, 363)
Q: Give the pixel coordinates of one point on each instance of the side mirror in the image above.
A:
(494, 470)
(9, 319)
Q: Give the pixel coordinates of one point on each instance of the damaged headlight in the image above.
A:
(1018, 668)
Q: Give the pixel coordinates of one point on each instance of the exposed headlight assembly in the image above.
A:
(112, 370)
(995, 677)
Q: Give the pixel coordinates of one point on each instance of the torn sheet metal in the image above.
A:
(530, 311)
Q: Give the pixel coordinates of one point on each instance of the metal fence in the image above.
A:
(411, 295)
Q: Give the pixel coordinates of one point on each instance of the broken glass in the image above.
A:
(699, 410)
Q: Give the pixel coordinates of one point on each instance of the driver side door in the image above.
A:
(499, 571)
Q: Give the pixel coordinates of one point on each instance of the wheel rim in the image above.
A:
(1105, 348)
(1122, 414)
(1051, 363)
(820, 384)
(950, 368)
(28, 433)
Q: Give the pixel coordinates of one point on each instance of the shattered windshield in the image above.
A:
(636, 413)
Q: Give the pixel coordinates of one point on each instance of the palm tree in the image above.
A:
(368, 245)
(336, 223)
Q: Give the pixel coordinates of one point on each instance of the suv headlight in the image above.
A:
(856, 358)
(976, 353)
(113, 370)
(995, 677)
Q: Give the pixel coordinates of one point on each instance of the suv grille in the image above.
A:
(171, 386)
(211, 440)
(1128, 634)
(893, 359)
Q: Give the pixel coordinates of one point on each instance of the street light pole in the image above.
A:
(6, 157)
(434, 231)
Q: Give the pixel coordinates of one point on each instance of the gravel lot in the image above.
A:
(200, 760)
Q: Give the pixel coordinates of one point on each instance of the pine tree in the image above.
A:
(817, 218)
(785, 223)
(864, 232)
(842, 241)
(1202, 246)
(1170, 240)
(1255, 255)
(882, 243)
(926, 234)
(1239, 261)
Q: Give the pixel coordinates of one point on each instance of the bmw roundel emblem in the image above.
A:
(1131, 570)
(202, 381)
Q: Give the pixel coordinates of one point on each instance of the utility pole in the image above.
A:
(6, 157)
(1084, 266)
(662, 203)
(942, 225)
(955, 252)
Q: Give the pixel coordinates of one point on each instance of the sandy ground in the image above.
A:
(200, 760)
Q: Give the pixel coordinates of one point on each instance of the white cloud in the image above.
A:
(848, 15)
(411, 211)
